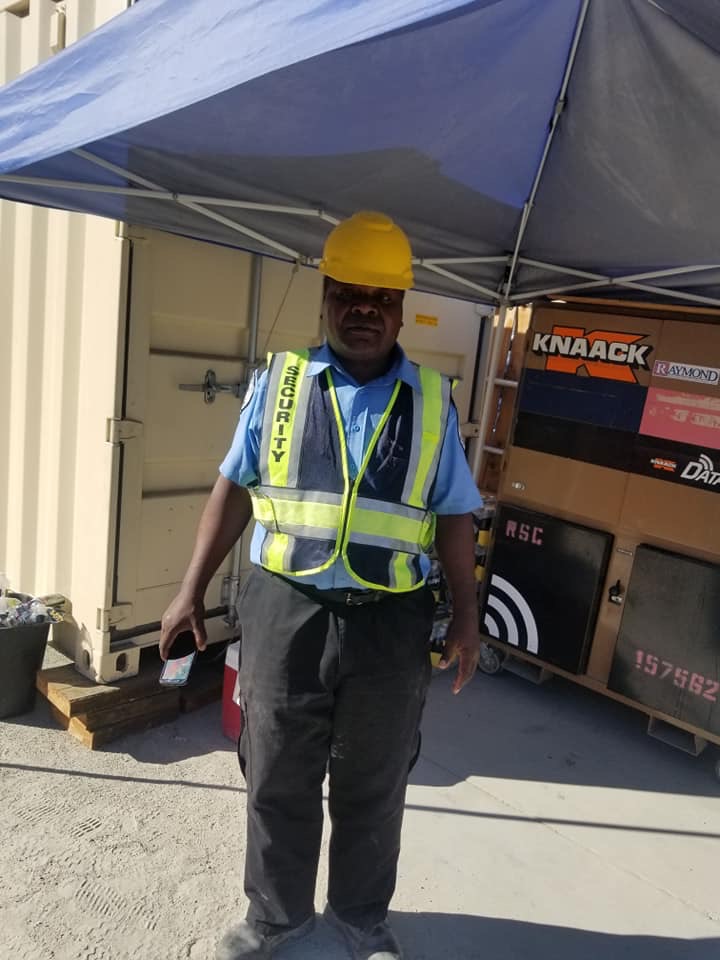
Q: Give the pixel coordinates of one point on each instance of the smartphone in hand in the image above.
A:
(176, 669)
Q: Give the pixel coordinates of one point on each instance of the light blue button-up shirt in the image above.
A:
(361, 408)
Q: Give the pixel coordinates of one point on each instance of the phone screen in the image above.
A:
(177, 671)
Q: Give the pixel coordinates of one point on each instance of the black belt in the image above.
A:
(350, 597)
(341, 596)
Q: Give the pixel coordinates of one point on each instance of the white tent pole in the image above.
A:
(648, 275)
(667, 292)
(549, 291)
(196, 204)
(161, 193)
(196, 208)
(456, 278)
(496, 340)
(114, 168)
(499, 329)
(559, 107)
(448, 261)
(148, 190)
(614, 282)
(675, 272)
(157, 194)
(218, 201)
(246, 231)
(262, 207)
(556, 268)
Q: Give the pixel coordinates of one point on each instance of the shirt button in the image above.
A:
(355, 428)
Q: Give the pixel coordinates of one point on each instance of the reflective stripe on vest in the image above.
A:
(311, 510)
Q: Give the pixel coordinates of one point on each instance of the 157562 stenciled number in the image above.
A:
(696, 683)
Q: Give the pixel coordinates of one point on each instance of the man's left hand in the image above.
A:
(462, 643)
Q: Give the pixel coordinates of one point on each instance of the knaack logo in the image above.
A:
(601, 353)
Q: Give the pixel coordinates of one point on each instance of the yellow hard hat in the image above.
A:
(368, 249)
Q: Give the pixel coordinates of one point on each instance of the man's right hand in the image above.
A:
(224, 518)
(186, 612)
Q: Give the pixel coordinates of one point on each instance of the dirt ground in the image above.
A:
(541, 822)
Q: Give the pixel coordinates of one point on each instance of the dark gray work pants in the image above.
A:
(323, 686)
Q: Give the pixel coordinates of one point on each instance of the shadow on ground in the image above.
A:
(499, 727)
(40, 716)
(505, 727)
(443, 936)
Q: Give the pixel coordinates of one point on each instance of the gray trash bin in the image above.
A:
(22, 649)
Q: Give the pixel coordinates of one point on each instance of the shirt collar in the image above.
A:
(402, 369)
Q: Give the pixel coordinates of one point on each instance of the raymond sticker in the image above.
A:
(709, 376)
(683, 417)
(606, 354)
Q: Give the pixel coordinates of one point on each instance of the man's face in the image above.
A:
(362, 323)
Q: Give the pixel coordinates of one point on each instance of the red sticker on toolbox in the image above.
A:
(684, 417)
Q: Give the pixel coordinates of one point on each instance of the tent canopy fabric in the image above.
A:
(525, 146)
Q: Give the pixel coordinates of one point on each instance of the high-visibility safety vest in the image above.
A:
(313, 512)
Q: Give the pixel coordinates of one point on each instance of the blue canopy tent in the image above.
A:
(529, 147)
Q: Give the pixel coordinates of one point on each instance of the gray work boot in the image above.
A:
(377, 943)
(244, 942)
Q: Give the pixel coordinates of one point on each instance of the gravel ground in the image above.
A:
(541, 822)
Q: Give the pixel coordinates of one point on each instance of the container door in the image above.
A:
(189, 310)
(668, 651)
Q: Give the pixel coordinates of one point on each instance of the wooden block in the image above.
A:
(96, 714)
(59, 717)
(165, 710)
(159, 702)
(98, 738)
(73, 694)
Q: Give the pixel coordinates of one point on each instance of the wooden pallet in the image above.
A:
(96, 714)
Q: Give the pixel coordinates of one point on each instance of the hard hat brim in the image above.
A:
(367, 278)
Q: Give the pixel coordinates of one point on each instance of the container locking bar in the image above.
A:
(210, 387)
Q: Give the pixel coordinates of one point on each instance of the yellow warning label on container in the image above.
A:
(426, 321)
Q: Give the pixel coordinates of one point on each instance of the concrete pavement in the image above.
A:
(542, 822)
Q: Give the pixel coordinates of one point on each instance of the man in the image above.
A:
(349, 457)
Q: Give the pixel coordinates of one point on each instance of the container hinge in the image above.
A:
(130, 231)
(469, 429)
(113, 615)
(118, 431)
(57, 29)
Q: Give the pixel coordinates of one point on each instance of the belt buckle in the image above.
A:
(360, 599)
(352, 601)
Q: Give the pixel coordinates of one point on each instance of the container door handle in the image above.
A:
(615, 593)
